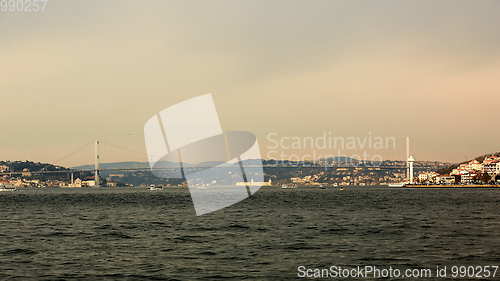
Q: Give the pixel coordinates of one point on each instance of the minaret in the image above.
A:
(410, 163)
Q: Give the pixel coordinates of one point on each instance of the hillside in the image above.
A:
(19, 166)
(140, 165)
(480, 159)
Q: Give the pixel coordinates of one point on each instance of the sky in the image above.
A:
(85, 70)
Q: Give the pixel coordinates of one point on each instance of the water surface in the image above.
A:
(136, 234)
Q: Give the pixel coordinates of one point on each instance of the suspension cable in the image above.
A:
(434, 150)
(124, 148)
(55, 162)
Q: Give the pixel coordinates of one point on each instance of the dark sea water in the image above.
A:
(136, 234)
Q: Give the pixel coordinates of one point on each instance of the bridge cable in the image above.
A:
(435, 150)
(123, 148)
(92, 142)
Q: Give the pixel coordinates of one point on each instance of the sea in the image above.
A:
(276, 234)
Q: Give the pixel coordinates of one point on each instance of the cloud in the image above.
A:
(99, 69)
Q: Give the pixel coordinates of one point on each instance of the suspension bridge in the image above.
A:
(138, 160)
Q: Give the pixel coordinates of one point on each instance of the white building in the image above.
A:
(4, 168)
(492, 168)
(77, 183)
(90, 183)
(469, 177)
(254, 183)
(427, 177)
(445, 179)
(475, 165)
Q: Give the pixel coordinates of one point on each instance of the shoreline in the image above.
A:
(452, 186)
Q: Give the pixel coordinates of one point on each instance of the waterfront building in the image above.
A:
(89, 183)
(427, 177)
(445, 179)
(492, 168)
(254, 183)
(470, 177)
(77, 183)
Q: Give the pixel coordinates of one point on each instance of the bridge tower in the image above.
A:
(96, 163)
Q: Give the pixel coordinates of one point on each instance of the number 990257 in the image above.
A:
(22, 5)
(471, 271)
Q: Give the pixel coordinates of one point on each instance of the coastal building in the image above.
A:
(475, 165)
(17, 183)
(492, 168)
(4, 168)
(90, 183)
(5, 183)
(470, 177)
(488, 160)
(26, 173)
(445, 179)
(424, 177)
(254, 183)
(474, 170)
(76, 183)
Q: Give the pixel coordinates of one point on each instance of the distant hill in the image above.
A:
(115, 165)
(139, 165)
(18, 166)
(340, 159)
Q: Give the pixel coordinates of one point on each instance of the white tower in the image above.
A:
(410, 163)
(96, 163)
(407, 157)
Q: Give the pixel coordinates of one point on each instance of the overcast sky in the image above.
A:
(85, 70)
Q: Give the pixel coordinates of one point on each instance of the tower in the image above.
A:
(407, 157)
(96, 163)
(410, 164)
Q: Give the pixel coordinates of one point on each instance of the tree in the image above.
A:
(486, 177)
